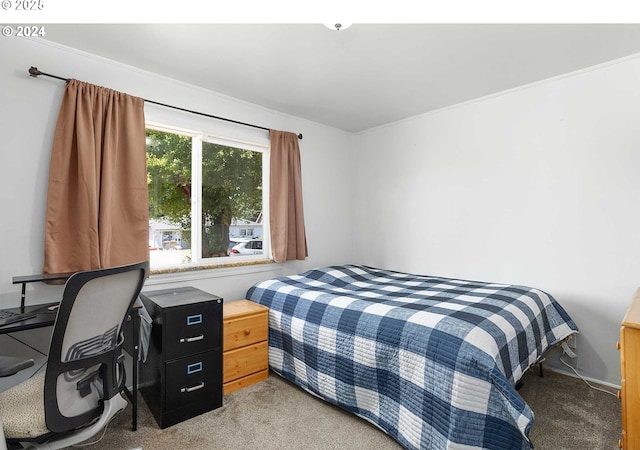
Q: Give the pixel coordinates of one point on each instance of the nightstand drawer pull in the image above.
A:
(194, 368)
(192, 388)
(192, 339)
(194, 320)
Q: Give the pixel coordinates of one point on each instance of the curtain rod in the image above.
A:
(34, 72)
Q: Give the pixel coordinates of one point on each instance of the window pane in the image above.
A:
(231, 200)
(169, 178)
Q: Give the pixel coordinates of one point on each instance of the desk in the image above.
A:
(46, 317)
(46, 278)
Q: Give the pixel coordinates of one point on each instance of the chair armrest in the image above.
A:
(10, 365)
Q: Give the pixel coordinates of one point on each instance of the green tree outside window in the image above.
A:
(231, 187)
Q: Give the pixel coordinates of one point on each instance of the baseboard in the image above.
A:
(569, 373)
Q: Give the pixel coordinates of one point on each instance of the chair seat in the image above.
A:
(22, 409)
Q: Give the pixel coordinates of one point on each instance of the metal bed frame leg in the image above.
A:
(520, 383)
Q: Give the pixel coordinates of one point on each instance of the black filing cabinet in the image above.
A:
(182, 375)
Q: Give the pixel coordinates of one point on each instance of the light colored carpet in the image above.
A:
(275, 414)
(570, 415)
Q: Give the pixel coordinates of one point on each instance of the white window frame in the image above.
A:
(197, 139)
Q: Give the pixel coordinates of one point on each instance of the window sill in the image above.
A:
(204, 271)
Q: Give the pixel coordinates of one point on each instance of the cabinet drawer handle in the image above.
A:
(247, 332)
(192, 339)
(619, 395)
(618, 345)
(192, 388)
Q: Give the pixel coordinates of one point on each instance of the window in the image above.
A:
(205, 193)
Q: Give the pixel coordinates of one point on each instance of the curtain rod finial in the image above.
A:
(34, 72)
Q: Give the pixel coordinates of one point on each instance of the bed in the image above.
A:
(431, 361)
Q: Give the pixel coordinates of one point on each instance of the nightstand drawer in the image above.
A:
(191, 379)
(243, 331)
(245, 361)
(234, 385)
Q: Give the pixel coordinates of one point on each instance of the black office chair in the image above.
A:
(81, 389)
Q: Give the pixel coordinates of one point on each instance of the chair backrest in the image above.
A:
(83, 368)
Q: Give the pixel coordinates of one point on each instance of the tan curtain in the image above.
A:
(288, 239)
(97, 204)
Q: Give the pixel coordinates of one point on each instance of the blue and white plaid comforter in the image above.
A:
(431, 361)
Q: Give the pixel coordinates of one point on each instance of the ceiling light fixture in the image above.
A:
(337, 26)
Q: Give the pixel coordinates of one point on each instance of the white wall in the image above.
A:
(28, 113)
(537, 186)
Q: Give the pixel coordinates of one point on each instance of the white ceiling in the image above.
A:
(361, 77)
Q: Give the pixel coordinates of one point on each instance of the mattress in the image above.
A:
(431, 361)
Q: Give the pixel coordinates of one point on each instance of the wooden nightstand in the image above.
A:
(245, 350)
(629, 347)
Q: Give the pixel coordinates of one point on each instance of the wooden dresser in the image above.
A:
(245, 347)
(630, 369)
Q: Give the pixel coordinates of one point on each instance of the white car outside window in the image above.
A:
(250, 247)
